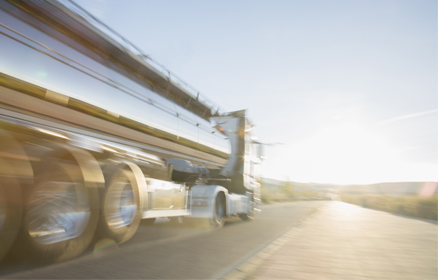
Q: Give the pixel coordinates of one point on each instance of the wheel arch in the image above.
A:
(209, 193)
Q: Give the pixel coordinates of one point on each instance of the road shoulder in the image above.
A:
(344, 241)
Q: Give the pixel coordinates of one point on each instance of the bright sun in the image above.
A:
(346, 154)
(341, 155)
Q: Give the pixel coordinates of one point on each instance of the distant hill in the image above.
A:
(391, 188)
(274, 184)
(271, 183)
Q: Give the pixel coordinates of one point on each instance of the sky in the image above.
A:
(341, 91)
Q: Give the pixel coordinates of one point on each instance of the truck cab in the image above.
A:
(233, 190)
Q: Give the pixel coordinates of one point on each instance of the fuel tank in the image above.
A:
(59, 58)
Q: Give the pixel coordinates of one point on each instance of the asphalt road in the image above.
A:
(174, 251)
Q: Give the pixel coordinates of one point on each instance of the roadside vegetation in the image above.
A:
(398, 198)
(419, 207)
(287, 192)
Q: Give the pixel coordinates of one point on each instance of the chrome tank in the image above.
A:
(33, 56)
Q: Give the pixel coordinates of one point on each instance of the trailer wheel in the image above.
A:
(121, 211)
(61, 212)
(14, 166)
(10, 209)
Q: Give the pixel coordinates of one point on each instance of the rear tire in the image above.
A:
(14, 166)
(61, 213)
(10, 209)
(121, 211)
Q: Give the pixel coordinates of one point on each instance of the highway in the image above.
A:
(173, 250)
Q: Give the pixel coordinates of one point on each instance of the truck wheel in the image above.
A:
(14, 166)
(219, 211)
(61, 213)
(121, 212)
(10, 210)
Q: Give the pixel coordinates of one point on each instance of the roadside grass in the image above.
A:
(286, 193)
(419, 207)
(268, 196)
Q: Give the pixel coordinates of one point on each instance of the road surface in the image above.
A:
(173, 251)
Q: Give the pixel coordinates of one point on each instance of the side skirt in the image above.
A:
(165, 213)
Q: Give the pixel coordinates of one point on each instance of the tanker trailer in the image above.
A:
(96, 136)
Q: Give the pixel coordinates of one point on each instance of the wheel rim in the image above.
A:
(58, 211)
(121, 205)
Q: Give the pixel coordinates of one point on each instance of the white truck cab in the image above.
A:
(233, 190)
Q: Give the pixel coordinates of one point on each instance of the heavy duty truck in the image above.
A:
(96, 136)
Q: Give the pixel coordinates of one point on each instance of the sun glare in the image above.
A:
(345, 154)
